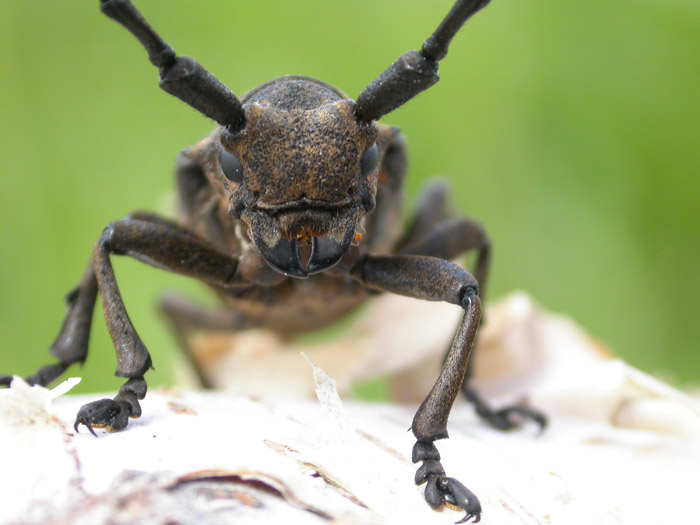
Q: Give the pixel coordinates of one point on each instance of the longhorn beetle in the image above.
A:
(290, 213)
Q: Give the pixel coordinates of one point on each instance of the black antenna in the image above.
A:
(414, 71)
(182, 77)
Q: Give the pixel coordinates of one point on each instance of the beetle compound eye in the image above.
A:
(231, 167)
(368, 162)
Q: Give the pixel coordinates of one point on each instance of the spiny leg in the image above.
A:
(163, 244)
(438, 280)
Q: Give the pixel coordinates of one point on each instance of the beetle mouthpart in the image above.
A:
(325, 253)
(306, 254)
(284, 255)
(300, 257)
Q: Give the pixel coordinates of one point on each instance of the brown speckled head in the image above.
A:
(291, 154)
(304, 172)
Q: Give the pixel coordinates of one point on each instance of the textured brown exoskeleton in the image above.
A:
(290, 213)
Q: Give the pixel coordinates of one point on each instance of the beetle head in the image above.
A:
(301, 178)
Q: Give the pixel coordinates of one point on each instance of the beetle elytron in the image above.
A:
(290, 213)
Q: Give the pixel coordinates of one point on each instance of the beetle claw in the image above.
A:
(514, 417)
(441, 489)
(102, 413)
(507, 418)
(85, 422)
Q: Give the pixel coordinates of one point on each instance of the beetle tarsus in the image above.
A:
(456, 494)
(441, 489)
(107, 413)
(507, 418)
(514, 417)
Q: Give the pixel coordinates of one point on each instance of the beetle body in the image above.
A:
(290, 212)
(312, 200)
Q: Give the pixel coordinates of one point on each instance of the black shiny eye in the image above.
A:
(231, 167)
(368, 162)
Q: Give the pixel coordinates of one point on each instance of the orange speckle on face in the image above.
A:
(358, 237)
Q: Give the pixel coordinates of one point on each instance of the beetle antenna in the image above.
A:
(182, 77)
(414, 71)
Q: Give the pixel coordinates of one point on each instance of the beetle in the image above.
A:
(290, 213)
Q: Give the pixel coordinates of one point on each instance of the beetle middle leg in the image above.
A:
(436, 233)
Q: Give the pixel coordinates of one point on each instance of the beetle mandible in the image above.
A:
(297, 182)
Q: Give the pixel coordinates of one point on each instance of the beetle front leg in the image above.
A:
(434, 279)
(430, 421)
(162, 244)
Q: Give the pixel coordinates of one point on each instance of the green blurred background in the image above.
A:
(571, 129)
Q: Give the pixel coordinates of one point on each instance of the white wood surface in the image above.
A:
(622, 447)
